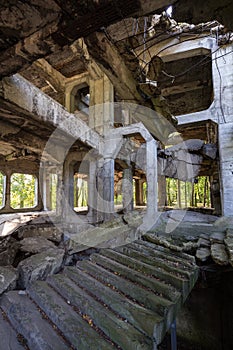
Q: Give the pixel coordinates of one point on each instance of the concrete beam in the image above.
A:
(42, 108)
(109, 59)
(53, 78)
(41, 30)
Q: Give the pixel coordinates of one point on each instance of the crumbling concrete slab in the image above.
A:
(39, 266)
(219, 254)
(101, 237)
(8, 278)
(229, 247)
(202, 242)
(8, 249)
(35, 245)
(217, 237)
(53, 233)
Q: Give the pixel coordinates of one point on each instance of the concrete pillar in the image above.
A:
(127, 189)
(139, 192)
(108, 188)
(226, 167)
(92, 192)
(7, 192)
(101, 116)
(44, 191)
(162, 195)
(61, 200)
(151, 175)
(105, 189)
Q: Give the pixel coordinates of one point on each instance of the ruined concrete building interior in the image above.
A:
(116, 174)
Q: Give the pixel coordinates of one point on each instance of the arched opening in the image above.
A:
(80, 99)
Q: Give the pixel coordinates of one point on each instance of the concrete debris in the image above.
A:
(8, 278)
(203, 254)
(52, 233)
(35, 245)
(8, 250)
(217, 237)
(164, 23)
(202, 242)
(219, 254)
(39, 266)
(229, 247)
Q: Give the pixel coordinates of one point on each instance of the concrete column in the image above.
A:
(7, 192)
(92, 192)
(151, 175)
(61, 200)
(162, 195)
(44, 190)
(215, 194)
(105, 189)
(108, 188)
(139, 192)
(127, 189)
(101, 117)
(226, 167)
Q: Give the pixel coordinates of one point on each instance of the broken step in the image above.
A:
(183, 256)
(145, 320)
(172, 259)
(76, 330)
(106, 260)
(150, 270)
(10, 340)
(29, 322)
(120, 332)
(165, 264)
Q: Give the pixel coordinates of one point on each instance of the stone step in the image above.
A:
(173, 260)
(150, 270)
(187, 258)
(162, 260)
(139, 294)
(157, 286)
(163, 263)
(29, 322)
(77, 331)
(10, 340)
(182, 255)
(141, 318)
(115, 328)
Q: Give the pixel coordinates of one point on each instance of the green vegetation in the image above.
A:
(80, 192)
(23, 191)
(53, 190)
(188, 194)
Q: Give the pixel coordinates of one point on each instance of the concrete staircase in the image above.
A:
(123, 298)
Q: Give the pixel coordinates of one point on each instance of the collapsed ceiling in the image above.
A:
(54, 42)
